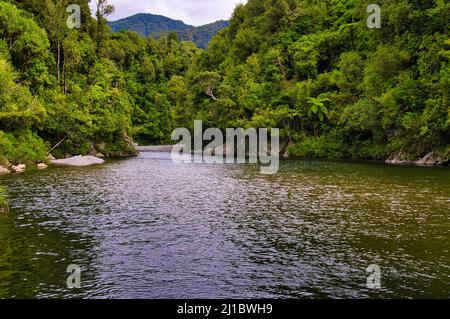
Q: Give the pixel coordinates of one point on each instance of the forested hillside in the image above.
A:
(86, 88)
(336, 88)
(156, 26)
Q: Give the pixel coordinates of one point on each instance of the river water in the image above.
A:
(150, 228)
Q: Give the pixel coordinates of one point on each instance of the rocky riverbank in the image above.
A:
(76, 161)
(429, 160)
(20, 168)
(125, 148)
(155, 148)
(399, 158)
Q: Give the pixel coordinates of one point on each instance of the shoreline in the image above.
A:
(75, 161)
(429, 161)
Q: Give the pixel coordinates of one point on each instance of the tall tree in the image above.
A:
(103, 10)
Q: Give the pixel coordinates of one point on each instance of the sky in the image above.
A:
(193, 12)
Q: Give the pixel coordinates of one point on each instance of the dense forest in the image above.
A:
(87, 87)
(157, 26)
(336, 88)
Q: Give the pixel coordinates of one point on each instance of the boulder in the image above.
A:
(285, 143)
(50, 157)
(18, 168)
(156, 148)
(41, 166)
(78, 161)
(123, 148)
(398, 158)
(4, 170)
(93, 152)
(101, 147)
(431, 159)
(129, 149)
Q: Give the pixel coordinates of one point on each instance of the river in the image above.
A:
(151, 228)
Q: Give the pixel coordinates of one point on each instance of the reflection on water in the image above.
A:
(4, 208)
(150, 228)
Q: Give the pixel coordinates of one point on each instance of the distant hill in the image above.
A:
(156, 25)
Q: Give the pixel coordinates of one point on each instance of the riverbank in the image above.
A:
(155, 148)
(78, 161)
(429, 160)
(125, 148)
(288, 151)
(396, 159)
(74, 161)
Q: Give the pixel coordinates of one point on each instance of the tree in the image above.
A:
(208, 81)
(27, 44)
(103, 10)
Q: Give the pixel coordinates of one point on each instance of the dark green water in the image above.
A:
(149, 228)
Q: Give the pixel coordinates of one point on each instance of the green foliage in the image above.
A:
(326, 146)
(335, 87)
(83, 87)
(22, 147)
(18, 108)
(28, 45)
(311, 68)
(318, 108)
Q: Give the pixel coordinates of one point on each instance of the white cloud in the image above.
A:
(194, 12)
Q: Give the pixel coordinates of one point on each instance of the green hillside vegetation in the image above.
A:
(85, 87)
(335, 88)
(157, 26)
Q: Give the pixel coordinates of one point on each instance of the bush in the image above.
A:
(329, 145)
(22, 147)
(368, 150)
(335, 145)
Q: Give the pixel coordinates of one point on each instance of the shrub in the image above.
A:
(22, 147)
(329, 145)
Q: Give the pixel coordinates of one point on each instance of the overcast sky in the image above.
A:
(194, 12)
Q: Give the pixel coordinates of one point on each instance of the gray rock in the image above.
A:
(126, 145)
(156, 148)
(398, 159)
(284, 148)
(285, 144)
(431, 159)
(4, 170)
(93, 152)
(41, 166)
(19, 168)
(78, 161)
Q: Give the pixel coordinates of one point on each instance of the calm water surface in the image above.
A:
(149, 228)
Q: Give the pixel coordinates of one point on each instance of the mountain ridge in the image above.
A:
(147, 24)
